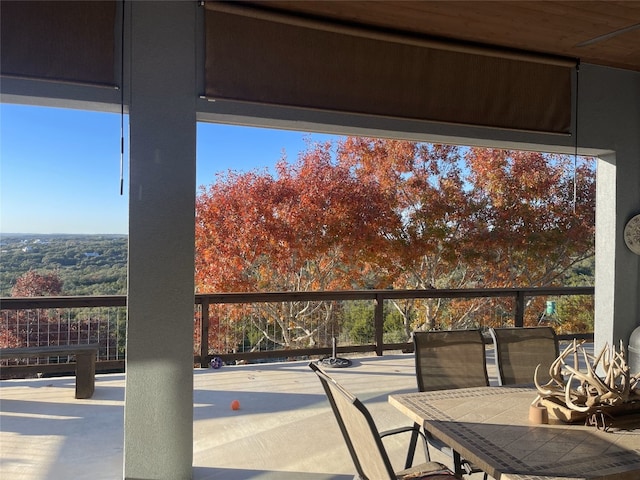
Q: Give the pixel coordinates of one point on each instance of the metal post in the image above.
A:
(378, 321)
(519, 313)
(204, 333)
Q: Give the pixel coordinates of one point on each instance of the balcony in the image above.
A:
(283, 430)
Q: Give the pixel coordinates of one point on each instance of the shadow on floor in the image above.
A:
(210, 473)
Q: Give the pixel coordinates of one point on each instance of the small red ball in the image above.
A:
(235, 405)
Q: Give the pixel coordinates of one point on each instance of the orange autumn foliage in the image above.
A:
(363, 213)
(314, 227)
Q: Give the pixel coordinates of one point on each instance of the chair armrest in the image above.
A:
(408, 428)
(415, 431)
(464, 464)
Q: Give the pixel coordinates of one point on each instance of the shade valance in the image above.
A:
(259, 56)
(70, 41)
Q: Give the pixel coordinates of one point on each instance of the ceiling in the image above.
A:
(597, 32)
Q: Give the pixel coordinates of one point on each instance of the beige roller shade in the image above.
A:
(70, 41)
(266, 58)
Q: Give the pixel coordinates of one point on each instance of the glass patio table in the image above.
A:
(490, 427)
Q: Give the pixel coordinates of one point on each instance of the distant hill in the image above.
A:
(87, 264)
(97, 264)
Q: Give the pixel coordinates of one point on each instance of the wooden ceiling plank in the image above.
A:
(551, 27)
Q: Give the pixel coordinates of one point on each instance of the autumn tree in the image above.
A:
(377, 213)
(315, 226)
(28, 325)
(33, 284)
(431, 245)
(539, 212)
(474, 217)
(537, 225)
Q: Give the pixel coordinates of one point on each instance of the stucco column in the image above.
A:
(158, 424)
(617, 268)
(610, 120)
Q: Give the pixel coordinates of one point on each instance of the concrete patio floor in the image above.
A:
(283, 430)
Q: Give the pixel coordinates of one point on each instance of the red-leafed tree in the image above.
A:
(474, 217)
(539, 216)
(30, 326)
(33, 284)
(537, 225)
(371, 213)
(433, 243)
(315, 226)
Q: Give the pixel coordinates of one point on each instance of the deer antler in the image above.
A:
(616, 386)
(548, 388)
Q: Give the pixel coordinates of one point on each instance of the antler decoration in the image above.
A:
(582, 391)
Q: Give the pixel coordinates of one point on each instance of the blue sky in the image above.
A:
(60, 168)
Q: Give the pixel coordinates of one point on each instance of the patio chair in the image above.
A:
(519, 350)
(365, 442)
(450, 359)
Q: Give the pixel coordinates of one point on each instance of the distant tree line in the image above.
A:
(54, 265)
(85, 264)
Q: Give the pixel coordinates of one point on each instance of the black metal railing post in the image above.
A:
(204, 333)
(378, 321)
(518, 320)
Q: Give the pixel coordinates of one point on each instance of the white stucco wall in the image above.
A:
(610, 120)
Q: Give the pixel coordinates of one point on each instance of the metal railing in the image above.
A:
(102, 320)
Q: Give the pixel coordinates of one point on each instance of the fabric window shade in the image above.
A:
(283, 60)
(69, 41)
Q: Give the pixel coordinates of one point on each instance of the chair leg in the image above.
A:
(411, 452)
(457, 464)
(463, 468)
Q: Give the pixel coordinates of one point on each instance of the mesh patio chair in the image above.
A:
(365, 442)
(519, 350)
(450, 359)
